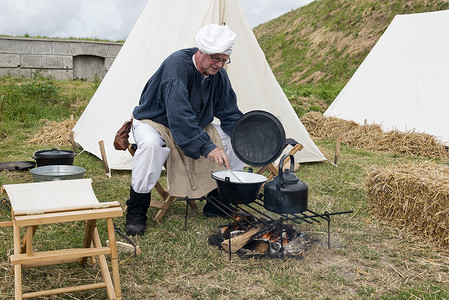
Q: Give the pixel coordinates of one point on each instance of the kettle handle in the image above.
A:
(281, 164)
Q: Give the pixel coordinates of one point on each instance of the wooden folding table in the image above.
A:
(50, 202)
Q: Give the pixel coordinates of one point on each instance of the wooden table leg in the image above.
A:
(90, 226)
(104, 268)
(114, 259)
(18, 267)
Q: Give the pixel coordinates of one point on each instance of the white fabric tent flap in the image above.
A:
(403, 82)
(162, 28)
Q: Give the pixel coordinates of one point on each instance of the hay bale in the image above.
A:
(372, 137)
(414, 197)
(314, 122)
(54, 133)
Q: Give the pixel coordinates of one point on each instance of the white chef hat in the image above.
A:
(214, 38)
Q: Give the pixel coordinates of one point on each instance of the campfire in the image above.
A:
(265, 238)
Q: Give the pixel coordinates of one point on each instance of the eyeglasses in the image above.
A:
(222, 60)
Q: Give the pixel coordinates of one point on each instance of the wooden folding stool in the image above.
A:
(50, 202)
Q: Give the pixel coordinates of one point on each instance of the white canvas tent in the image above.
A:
(164, 27)
(403, 83)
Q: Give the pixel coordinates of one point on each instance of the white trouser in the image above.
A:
(151, 155)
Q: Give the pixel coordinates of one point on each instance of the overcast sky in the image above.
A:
(104, 19)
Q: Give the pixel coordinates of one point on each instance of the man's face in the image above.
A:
(211, 64)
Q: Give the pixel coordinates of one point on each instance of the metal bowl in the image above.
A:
(241, 190)
(57, 172)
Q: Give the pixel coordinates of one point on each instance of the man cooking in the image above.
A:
(172, 125)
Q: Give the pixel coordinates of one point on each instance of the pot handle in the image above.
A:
(51, 150)
(281, 164)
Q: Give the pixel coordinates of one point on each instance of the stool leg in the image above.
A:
(261, 170)
(273, 172)
(163, 209)
(29, 240)
(90, 226)
(192, 204)
(104, 267)
(27, 236)
(18, 281)
(114, 258)
(18, 267)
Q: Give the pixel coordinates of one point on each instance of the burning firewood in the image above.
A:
(259, 246)
(239, 241)
(270, 239)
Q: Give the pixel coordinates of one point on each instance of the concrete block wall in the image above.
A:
(24, 56)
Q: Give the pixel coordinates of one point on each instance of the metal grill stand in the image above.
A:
(253, 209)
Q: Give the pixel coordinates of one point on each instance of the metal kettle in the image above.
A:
(286, 194)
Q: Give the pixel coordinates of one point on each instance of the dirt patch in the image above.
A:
(315, 77)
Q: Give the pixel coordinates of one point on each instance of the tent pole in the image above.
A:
(222, 18)
(105, 161)
(72, 141)
(337, 150)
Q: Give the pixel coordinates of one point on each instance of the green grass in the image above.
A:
(27, 35)
(368, 259)
(24, 102)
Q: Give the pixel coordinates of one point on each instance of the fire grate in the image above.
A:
(253, 222)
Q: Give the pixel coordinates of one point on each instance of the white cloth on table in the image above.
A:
(37, 197)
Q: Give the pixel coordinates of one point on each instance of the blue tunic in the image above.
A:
(179, 97)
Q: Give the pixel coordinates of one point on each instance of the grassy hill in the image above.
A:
(314, 50)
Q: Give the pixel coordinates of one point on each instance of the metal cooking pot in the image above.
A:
(241, 190)
(286, 194)
(53, 156)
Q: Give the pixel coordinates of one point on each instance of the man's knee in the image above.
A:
(146, 145)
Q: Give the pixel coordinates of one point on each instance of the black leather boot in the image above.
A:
(210, 210)
(136, 213)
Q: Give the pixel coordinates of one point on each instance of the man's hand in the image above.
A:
(218, 156)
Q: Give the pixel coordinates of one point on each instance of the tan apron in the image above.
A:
(187, 177)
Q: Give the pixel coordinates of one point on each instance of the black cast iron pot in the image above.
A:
(241, 190)
(286, 194)
(53, 156)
